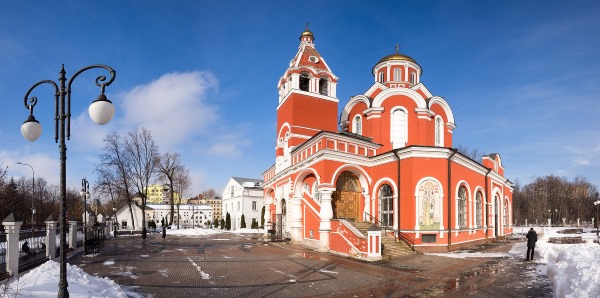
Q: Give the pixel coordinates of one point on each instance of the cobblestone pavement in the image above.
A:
(242, 265)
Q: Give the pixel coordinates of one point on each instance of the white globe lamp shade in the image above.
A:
(31, 129)
(101, 110)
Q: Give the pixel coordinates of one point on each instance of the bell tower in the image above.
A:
(307, 100)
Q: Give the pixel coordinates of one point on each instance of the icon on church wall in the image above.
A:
(429, 206)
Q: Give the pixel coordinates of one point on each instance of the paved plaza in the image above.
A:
(244, 265)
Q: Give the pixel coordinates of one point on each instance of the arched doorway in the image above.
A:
(346, 198)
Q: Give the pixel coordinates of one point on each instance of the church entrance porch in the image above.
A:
(346, 198)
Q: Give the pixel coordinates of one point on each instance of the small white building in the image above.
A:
(243, 196)
(190, 215)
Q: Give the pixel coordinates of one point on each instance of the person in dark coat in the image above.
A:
(531, 240)
(25, 248)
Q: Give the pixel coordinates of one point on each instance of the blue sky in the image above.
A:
(522, 77)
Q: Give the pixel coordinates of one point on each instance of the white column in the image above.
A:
(12, 229)
(326, 215)
(72, 234)
(296, 223)
(267, 219)
(395, 221)
(388, 72)
(367, 207)
(51, 238)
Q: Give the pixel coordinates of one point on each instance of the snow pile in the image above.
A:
(43, 282)
(573, 268)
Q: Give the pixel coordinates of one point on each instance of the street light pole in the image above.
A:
(32, 190)
(597, 203)
(32, 198)
(85, 193)
(101, 111)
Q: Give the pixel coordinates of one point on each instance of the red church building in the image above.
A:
(390, 166)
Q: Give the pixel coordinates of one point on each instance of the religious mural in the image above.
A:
(429, 205)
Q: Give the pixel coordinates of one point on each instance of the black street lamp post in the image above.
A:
(597, 223)
(101, 111)
(32, 198)
(85, 194)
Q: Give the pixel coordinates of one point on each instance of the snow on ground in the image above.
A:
(43, 282)
(573, 268)
(204, 232)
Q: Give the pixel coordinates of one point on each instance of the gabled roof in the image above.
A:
(244, 181)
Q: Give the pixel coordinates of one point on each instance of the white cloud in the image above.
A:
(43, 165)
(173, 107)
(582, 162)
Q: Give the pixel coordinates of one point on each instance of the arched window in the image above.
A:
(381, 77)
(357, 129)
(397, 75)
(413, 78)
(462, 207)
(323, 86)
(478, 209)
(304, 81)
(386, 205)
(439, 131)
(399, 129)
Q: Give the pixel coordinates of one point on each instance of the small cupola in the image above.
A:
(397, 70)
(307, 36)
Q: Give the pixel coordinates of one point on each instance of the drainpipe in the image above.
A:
(398, 184)
(449, 195)
(487, 216)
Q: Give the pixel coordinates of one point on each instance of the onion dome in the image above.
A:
(307, 35)
(396, 57)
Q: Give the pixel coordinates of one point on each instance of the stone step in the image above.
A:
(391, 247)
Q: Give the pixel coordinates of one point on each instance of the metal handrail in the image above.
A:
(397, 234)
(377, 222)
(406, 239)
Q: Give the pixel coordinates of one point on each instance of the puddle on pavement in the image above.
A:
(489, 269)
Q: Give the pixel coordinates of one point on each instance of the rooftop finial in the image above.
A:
(397, 48)
(307, 23)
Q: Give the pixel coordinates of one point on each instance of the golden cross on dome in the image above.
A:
(397, 48)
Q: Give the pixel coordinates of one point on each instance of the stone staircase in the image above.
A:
(391, 248)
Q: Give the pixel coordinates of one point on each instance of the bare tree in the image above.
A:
(116, 169)
(142, 152)
(554, 198)
(108, 188)
(182, 184)
(210, 193)
(169, 166)
(473, 154)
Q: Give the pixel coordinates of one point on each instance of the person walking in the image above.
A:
(531, 240)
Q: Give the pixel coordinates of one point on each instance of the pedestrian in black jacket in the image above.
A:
(531, 240)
